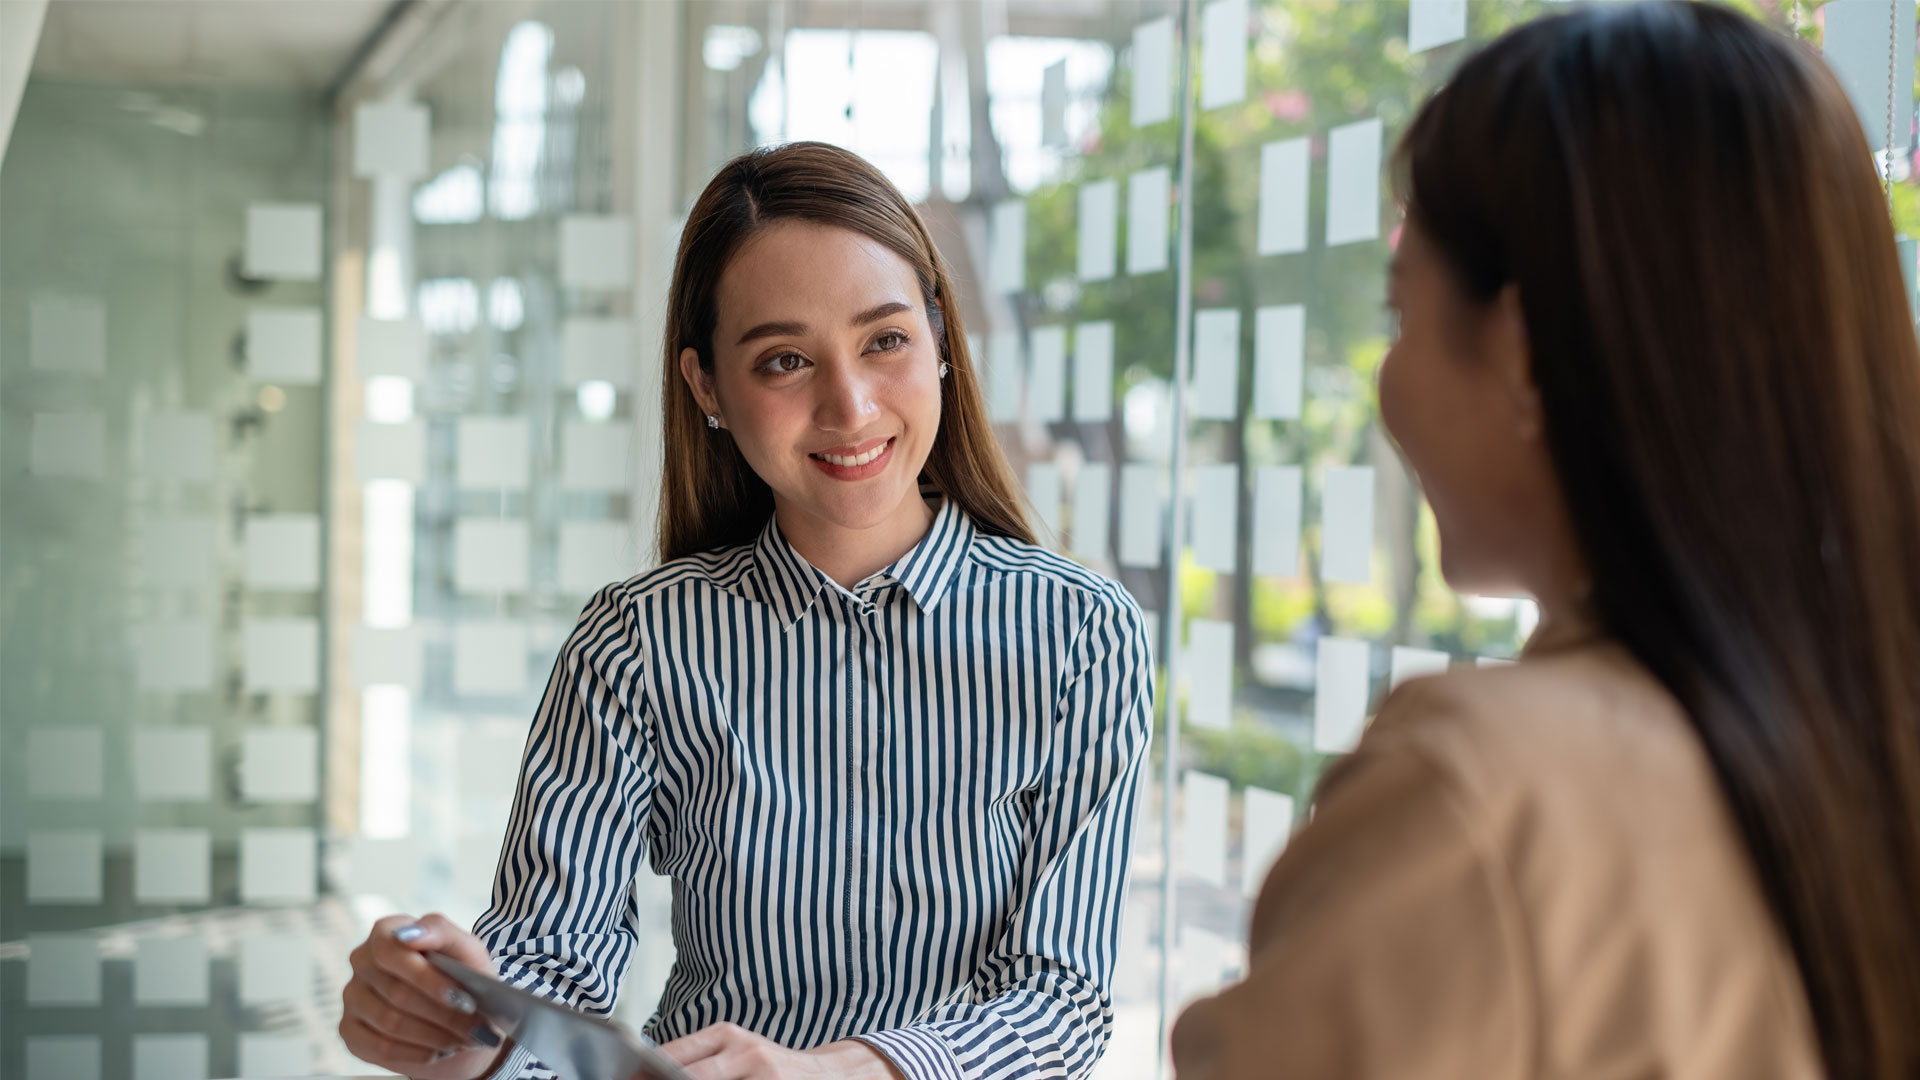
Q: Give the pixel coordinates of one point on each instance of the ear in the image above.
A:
(1511, 356)
(700, 381)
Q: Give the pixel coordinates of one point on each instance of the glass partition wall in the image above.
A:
(325, 414)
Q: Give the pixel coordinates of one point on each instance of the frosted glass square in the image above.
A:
(172, 764)
(283, 241)
(67, 334)
(64, 762)
(1281, 224)
(170, 971)
(1204, 839)
(596, 252)
(63, 1057)
(172, 866)
(277, 866)
(490, 555)
(176, 552)
(63, 969)
(1223, 53)
(1092, 511)
(170, 1057)
(490, 658)
(1210, 674)
(1279, 339)
(392, 451)
(1047, 378)
(387, 657)
(69, 445)
(1099, 253)
(493, 452)
(174, 654)
(1216, 517)
(64, 866)
(396, 347)
(596, 456)
(1268, 824)
(1142, 503)
(597, 349)
(282, 655)
(1007, 247)
(1276, 521)
(1093, 372)
(275, 968)
(1149, 193)
(1346, 524)
(1409, 663)
(1152, 101)
(280, 765)
(1340, 694)
(596, 553)
(390, 139)
(1006, 382)
(178, 446)
(1353, 182)
(283, 551)
(283, 345)
(1216, 363)
(1435, 22)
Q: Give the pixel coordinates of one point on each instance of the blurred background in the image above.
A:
(330, 366)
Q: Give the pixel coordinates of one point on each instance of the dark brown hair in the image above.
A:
(710, 497)
(1725, 353)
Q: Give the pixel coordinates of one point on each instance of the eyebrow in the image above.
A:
(795, 329)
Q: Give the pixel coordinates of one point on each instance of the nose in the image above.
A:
(843, 397)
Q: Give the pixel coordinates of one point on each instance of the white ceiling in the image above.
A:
(282, 43)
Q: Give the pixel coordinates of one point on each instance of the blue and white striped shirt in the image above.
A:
(901, 812)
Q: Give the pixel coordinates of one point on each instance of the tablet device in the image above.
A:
(571, 1043)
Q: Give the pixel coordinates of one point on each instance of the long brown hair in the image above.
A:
(710, 497)
(1726, 358)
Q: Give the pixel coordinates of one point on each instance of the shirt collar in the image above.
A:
(785, 581)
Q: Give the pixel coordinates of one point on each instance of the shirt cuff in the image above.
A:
(516, 1061)
(917, 1052)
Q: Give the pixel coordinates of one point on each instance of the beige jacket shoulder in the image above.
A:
(1524, 871)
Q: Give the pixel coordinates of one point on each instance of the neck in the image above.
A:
(850, 556)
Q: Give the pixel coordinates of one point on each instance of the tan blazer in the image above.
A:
(1524, 871)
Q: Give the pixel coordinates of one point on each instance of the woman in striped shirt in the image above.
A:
(886, 747)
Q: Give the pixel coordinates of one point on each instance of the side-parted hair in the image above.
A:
(710, 497)
(1725, 354)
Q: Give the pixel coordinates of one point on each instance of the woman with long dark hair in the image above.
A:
(1656, 367)
(886, 747)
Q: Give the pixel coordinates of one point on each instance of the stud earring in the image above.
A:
(713, 421)
(944, 369)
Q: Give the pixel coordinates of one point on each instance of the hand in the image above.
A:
(400, 1013)
(731, 1052)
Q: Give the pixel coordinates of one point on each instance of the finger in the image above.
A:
(736, 1063)
(412, 985)
(400, 956)
(364, 1004)
(703, 1044)
(456, 941)
(377, 1048)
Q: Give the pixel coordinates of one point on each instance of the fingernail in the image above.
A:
(485, 1035)
(460, 999)
(410, 932)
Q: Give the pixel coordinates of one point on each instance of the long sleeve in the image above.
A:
(562, 920)
(1040, 1005)
(1387, 942)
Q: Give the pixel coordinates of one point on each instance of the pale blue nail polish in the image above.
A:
(410, 932)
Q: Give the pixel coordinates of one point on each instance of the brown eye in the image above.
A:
(890, 341)
(783, 363)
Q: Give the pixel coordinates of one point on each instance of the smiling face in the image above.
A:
(826, 374)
